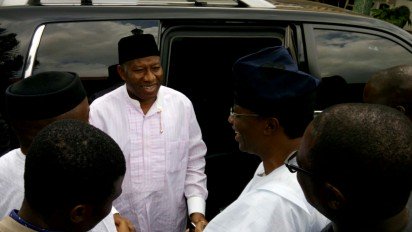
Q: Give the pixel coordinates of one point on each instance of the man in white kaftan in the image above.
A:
(273, 104)
(36, 106)
(157, 130)
(269, 203)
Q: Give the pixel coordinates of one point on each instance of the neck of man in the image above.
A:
(278, 151)
(33, 217)
(24, 150)
(396, 223)
(144, 104)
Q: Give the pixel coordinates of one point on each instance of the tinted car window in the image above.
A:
(346, 60)
(87, 48)
(14, 41)
(355, 56)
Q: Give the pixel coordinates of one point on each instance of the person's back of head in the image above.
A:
(391, 87)
(361, 159)
(38, 100)
(269, 83)
(332, 90)
(73, 172)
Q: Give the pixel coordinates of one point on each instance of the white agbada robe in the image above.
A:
(164, 154)
(12, 189)
(269, 203)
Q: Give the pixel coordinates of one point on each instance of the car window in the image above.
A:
(12, 45)
(347, 59)
(355, 56)
(87, 48)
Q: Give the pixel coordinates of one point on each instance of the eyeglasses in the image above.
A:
(236, 115)
(293, 166)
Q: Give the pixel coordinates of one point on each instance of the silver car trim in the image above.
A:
(32, 51)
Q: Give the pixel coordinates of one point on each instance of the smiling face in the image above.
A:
(143, 77)
(247, 127)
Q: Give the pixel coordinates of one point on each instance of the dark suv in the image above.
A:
(199, 41)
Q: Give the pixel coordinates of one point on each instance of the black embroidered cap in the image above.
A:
(44, 95)
(137, 46)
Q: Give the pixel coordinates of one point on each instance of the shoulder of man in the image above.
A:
(106, 99)
(7, 224)
(9, 159)
(174, 94)
(286, 186)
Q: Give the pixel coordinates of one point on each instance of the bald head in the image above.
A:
(364, 151)
(391, 87)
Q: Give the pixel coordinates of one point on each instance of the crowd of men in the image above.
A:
(134, 160)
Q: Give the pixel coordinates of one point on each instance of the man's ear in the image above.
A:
(121, 72)
(334, 197)
(401, 108)
(79, 213)
(272, 124)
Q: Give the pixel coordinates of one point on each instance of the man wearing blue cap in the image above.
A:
(157, 130)
(274, 103)
(32, 104)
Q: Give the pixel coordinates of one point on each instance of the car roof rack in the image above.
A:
(206, 3)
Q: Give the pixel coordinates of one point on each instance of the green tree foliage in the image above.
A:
(397, 15)
(362, 6)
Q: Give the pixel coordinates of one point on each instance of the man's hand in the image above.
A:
(199, 220)
(123, 224)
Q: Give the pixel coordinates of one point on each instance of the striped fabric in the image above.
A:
(164, 154)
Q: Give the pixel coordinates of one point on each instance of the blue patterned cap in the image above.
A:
(270, 78)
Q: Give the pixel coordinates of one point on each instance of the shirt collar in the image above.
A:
(157, 106)
(14, 214)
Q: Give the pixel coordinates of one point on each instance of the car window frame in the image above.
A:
(309, 37)
(171, 32)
